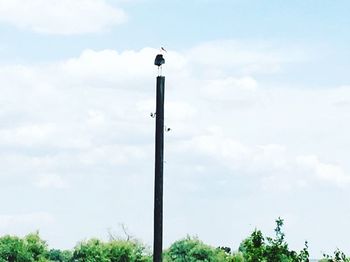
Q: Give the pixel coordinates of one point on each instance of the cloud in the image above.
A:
(242, 57)
(271, 163)
(51, 181)
(62, 17)
(110, 66)
(84, 125)
(231, 89)
(328, 172)
(24, 223)
(71, 107)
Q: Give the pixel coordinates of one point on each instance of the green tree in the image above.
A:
(253, 248)
(57, 255)
(125, 251)
(192, 249)
(13, 249)
(277, 248)
(95, 250)
(257, 248)
(36, 247)
(91, 251)
(188, 250)
(338, 256)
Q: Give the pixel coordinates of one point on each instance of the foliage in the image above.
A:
(123, 251)
(57, 255)
(113, 251)
(30, 248)
(13, 249)
(257, 248)
(90, 251)
(36, 247)
(339, 256)
(188, 249)
(191, 249)
(253, 248)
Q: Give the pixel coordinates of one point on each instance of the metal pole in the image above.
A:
(158, 182)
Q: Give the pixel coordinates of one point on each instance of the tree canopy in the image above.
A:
(255, 248)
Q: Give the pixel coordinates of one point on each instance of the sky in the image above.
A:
(257, 99)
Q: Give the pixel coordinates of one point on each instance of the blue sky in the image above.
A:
(258, 99)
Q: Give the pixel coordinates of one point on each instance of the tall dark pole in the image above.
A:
(158, 182)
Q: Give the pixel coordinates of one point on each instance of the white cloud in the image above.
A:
(25, 135)
(272, 163)
(63, 17)
(329, 172)
(51, 181)
(231, 89)
(115, 155)
(24, 223)
(98, 102)
(242, 57)
(83, 125)
(109, 65)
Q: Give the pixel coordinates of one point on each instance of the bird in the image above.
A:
(159, 60)
(163, 49)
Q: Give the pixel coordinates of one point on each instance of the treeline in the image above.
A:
(255, 248)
